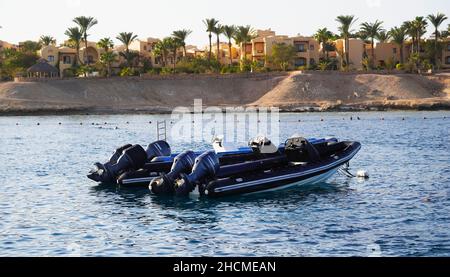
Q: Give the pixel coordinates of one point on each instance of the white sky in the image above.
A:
(22, 20)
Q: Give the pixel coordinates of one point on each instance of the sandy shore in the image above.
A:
(294, 92)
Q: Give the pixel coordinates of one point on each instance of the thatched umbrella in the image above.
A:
(42, 69)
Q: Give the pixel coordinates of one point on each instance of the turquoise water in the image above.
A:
(48, 207)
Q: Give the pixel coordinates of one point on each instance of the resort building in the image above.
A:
(355, 50)
(64, 57)
(224, 54)
(6, 45)
(446, 54)
(259, 49)
(193, 51)
(388, 52)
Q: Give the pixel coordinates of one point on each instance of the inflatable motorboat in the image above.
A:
(222, 172)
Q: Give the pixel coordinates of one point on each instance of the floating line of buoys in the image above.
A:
(351, 118)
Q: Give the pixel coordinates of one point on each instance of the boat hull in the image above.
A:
(282, 178)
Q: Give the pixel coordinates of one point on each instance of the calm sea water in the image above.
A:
(48, 207)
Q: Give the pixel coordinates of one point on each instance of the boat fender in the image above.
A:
(362, 174)
(158, 149)
(183, 163)
(206, 166)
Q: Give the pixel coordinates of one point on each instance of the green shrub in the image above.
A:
(198, 65)
(126, 71)
(400, 66)
(154, 71)
(166, 71)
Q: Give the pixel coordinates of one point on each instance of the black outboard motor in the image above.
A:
(183, 163)
(93, 175)
(133, 157)
(206, 165)
(299, 149)
(117, 153)
(158, 149)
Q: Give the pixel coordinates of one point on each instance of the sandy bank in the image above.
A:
(290, 92)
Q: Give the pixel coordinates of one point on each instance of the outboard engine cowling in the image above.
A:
(183, 163)
(206, 165)
(117, 153)
(158, 149)
(133, 157)
(299, 149)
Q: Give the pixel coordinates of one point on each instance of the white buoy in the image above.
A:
(362, 174)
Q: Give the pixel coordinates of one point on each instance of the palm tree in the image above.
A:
(436, 21)
(75, 36)
(229, 31)
(161, 49)
(85, 23)
(181, 36)
(47, 40)
(218, 31)
(210, 24)
(107, 59)
(399, 35)
(106, 44)
(419, 26)
(244, 35)
(371, 30)
(323, 36)
(346, 22)
(383, 36)
(172, 45)
(127, 38)
(410, 31)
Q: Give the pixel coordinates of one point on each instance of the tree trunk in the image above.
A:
(210, 46)
(174, 59)
(85, 50)
(231, 55)
(401, 53)
(418, 42)
(218, 49)
(347, 54)
(373, 54)
(435, 48)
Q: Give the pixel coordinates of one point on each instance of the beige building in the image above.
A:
(356, 52)
(6, 45)
(446, 55)
(260, 48)
(64, 57)
(224, 54)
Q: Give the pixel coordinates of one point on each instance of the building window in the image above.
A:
(448, 47)
(51, 59)
(300, 62)
(447, 60)
(300, 48)
(311, 47)
(67, 60)
(90, 59)
(394, 50)
(312, 61)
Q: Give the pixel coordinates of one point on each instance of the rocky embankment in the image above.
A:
(291, 92)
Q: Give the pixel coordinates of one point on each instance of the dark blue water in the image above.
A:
(48, 207)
